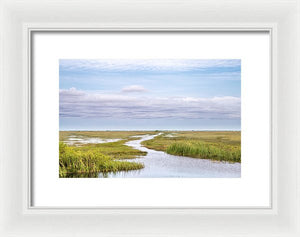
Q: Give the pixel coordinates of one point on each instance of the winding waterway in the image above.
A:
(159, 164)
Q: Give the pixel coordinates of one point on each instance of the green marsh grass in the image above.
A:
(73, 160)
(204, 150)
(116, 150)
(215, 145)
(87, 160)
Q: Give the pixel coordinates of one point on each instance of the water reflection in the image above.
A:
(83, 175)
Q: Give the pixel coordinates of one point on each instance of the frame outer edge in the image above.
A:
(28, 228)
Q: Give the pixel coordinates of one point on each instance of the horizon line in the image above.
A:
(117, 130)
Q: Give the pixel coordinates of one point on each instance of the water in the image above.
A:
(76, 141)
(159, 164)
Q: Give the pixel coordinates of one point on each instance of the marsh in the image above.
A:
(137, 154)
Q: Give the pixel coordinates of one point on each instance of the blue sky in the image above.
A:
(150, 94)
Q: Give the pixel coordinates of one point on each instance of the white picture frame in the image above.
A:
(19, 19)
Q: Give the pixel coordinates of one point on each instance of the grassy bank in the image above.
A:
(75, 161)
(87, 160)
(116, 150)
(221, 146)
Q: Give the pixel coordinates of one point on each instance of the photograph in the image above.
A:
(150, 118)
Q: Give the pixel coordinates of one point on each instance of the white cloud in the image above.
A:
(74, 103)
(133, 88)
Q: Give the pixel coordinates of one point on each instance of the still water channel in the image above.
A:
(159, 164)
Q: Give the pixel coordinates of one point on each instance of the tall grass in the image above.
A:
(215, 145)
(75, 161)
(196, 149)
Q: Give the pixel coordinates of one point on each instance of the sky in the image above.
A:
(150, 94)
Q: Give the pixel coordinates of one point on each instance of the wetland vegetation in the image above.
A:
(112, 154)
(221, 146)
(88, 159)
